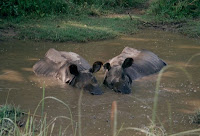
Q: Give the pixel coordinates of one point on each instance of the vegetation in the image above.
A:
(88, 20)
(79, 29)
(182, 16)
(13, 115)
(9, 116)
(191, 28)
(196, 117)
(175, 9)
(61, 20)
(45, 7)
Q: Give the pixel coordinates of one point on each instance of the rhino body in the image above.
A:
(131, 64)
(70, 68)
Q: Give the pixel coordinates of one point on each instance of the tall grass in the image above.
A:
(45, 7)
(153, 130)
(37, 7)
(196, 118)
(158, 85)
(175, 9)
(114, 118)
(112, 3)
(47, 127)
(191, 58)
(10, 116)
(79, 113)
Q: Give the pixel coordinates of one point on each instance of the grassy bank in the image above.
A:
(35, 125)
(10, 117)
(87, 28)
(191, 28)
(82, 21)
(65, 20)
(77, 28)
(182, 16)
(187, 27)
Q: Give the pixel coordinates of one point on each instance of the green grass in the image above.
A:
(182, 16)
(9, 116)
(46, 127)
(175, 9)
(66, 20)
(87, 22)
(14, 8)
(196, 117)
(67, 28)
(187, 26)
(191, 28)
(83, 20)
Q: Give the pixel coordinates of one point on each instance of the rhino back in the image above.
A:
(46, 67)
(55, 61)
(76, 59)
(145, 63)
(126, 53)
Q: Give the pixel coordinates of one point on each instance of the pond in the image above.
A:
(177, 101)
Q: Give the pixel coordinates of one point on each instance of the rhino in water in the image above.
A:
(71, 68)
(131, 64)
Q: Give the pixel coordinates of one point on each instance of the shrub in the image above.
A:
(196, 117)
(10, 8)
(175, 9)
(39, 7)
(12, 113)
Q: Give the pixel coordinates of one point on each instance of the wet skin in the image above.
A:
(117, 79)
(131, 64)
(71, 69)
(25, 88)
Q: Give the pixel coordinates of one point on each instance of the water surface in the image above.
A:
(178, 98)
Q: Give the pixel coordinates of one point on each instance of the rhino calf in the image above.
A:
(131, 64)
(71, 68)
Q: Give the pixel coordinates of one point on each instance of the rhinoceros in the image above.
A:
(131, 64)
(70, 68)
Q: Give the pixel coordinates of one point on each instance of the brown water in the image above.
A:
(178, 98)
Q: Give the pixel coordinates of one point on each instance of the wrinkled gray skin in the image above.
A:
(131, 64)
(70, 68)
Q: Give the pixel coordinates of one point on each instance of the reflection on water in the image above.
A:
(178, 98)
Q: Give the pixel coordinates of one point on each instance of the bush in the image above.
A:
(112, 3)
(196, 117)
(12, 113)
(175, 9)
(39, 7)
(44, 7)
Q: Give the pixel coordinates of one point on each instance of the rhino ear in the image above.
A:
(127, 63)
(107, 66)
(96, 67)
(73, 70)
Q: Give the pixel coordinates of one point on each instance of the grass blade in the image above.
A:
(79, 112)
(114, 118)
(158, 85)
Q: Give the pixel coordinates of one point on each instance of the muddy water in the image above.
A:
(178, 98)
